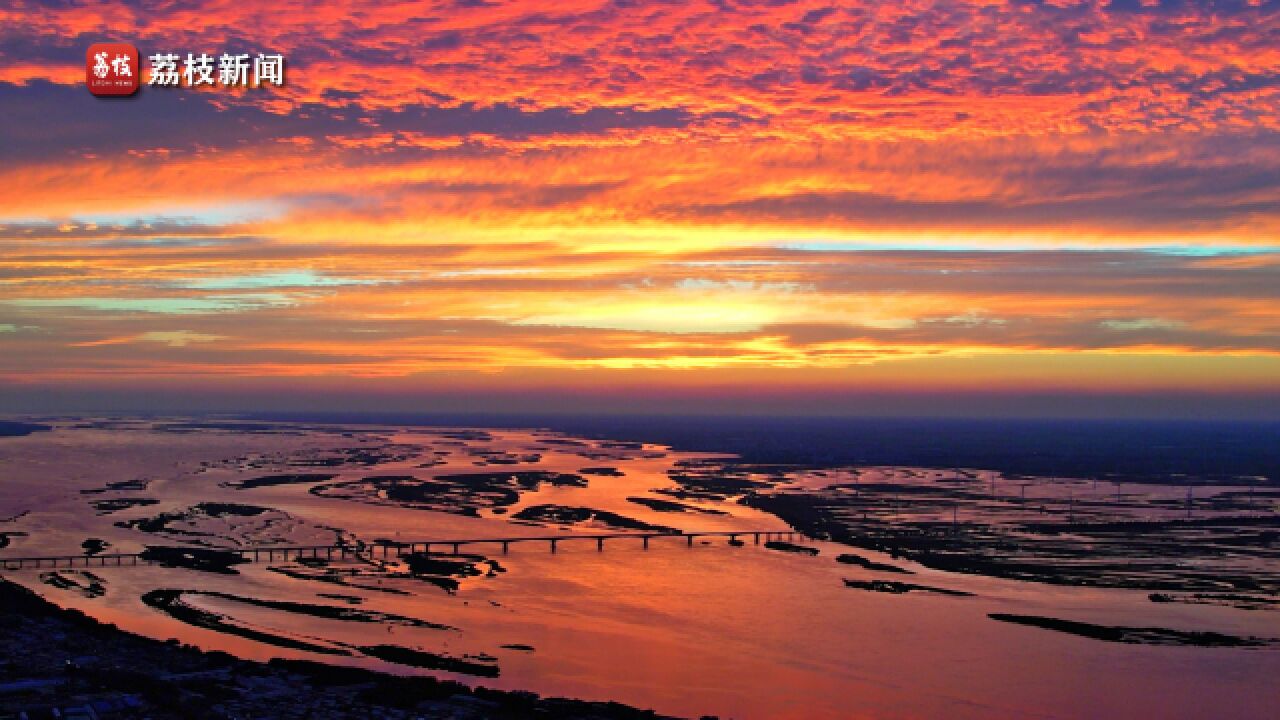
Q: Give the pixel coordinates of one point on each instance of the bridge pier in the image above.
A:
(599, 544)
(690, 539)
(455, 548)
(646, 542)
(553, 545)
(757, 538)
(505, 547)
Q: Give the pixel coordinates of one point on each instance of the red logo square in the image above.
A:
(112, 69)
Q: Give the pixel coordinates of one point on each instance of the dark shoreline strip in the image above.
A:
(1133, 635)
(170, 603)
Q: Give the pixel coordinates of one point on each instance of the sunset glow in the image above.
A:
(692, 197)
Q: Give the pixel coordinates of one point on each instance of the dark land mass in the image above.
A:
(170, 602)
(449, 565)
(1235, 600)
(349, 599)
(1131, 635)
(565, 515)
(80, 581)
(791, 547)
(899, 588)
(462, 494)
(219, 525)
(525, 480)
(430, 661)
(21, 429)
(446, 571)
(366, 456)
(489, 456)
(334, 577)
(138, 484)
(858, 560)
(672, 506)
(106, 507)
(160, 523)
(714, 480)
(93, 546)
(4, 537)
(328, 612)
(602, 471)
(273, 480)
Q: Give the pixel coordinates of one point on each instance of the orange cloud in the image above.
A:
(921, 194)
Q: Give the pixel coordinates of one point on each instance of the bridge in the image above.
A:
(383, 548)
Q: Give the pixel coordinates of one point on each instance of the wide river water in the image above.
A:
(735, 631)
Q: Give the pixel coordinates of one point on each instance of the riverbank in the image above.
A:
(55, 658)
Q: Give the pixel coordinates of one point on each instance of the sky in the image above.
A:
(987, 206)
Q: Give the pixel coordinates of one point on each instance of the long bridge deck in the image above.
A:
(380, 548)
